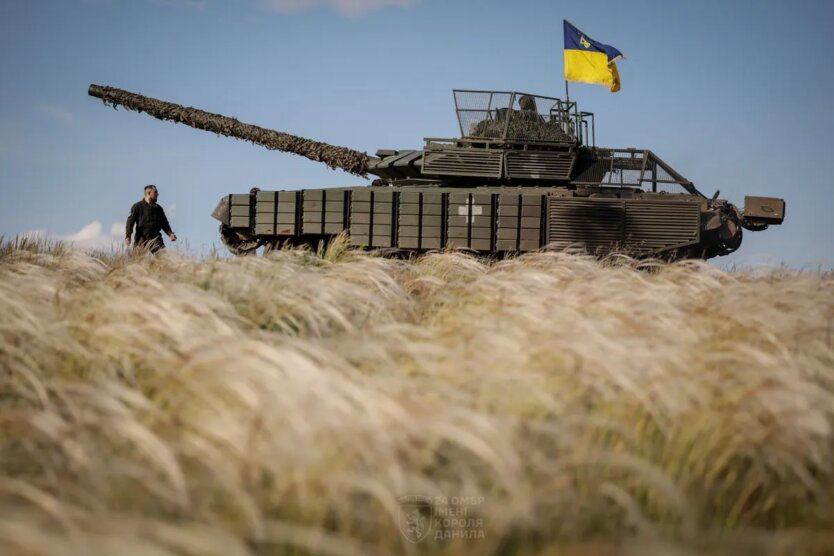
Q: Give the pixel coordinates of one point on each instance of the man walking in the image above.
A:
(150, 220)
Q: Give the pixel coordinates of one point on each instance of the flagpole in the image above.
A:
(565, 69)
(567, 102)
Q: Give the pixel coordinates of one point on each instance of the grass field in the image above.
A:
(549, 404)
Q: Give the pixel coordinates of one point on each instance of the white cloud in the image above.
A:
(351, 8)
(91, 236)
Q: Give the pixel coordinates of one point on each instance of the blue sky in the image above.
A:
(733, 94)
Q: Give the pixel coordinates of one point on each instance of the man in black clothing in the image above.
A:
(150, 220)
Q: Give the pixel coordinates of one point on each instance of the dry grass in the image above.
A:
(283, 404)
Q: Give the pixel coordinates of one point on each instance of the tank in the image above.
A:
(525, 174)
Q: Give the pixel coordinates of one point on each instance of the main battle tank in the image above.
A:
(525, 174)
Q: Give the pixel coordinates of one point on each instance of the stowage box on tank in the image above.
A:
(525, 174)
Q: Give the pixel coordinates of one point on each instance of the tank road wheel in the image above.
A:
(730, 234)
(237, 243)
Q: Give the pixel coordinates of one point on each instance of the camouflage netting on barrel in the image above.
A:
(346, 159)
(523, 127)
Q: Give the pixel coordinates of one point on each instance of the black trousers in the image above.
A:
(152, 244)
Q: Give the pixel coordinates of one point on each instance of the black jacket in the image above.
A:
(149, 220)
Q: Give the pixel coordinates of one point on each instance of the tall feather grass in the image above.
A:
(283, 404)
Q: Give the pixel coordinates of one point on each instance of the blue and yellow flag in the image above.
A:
(589, 61)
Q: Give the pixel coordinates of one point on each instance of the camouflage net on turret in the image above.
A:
(343, 158)
(522, 127)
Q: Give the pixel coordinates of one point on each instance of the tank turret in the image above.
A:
(525, 174)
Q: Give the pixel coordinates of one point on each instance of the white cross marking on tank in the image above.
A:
(477, 210)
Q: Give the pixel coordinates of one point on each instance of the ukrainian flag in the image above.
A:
(589, 61)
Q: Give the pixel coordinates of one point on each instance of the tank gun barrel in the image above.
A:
(349, 160)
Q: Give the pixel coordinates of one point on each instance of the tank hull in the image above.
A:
(492, 221)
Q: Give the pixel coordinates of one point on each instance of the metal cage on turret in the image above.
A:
(523, 117)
